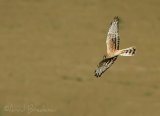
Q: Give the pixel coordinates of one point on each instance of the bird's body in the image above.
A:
(112, 42)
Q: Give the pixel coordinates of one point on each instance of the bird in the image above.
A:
(112, 49)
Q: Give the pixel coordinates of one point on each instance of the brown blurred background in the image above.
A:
(49, 50)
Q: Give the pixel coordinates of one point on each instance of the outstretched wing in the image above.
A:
(112, 40)
(104, 65)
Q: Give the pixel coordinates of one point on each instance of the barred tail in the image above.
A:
(128, 51)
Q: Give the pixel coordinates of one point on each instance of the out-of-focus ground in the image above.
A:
(49, 50)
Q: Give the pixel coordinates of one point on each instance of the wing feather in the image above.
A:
(112, 40)
(104, 65)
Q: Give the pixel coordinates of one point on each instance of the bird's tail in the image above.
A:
(128, 51)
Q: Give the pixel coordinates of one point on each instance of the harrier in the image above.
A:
(112, 42)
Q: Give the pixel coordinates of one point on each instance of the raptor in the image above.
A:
(113, 51)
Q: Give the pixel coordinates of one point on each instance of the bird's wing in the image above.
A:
(112, 40)
(104, 65)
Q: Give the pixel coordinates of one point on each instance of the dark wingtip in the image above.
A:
(116, 18)
(97, 75)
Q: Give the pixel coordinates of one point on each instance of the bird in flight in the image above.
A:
(113, 51)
